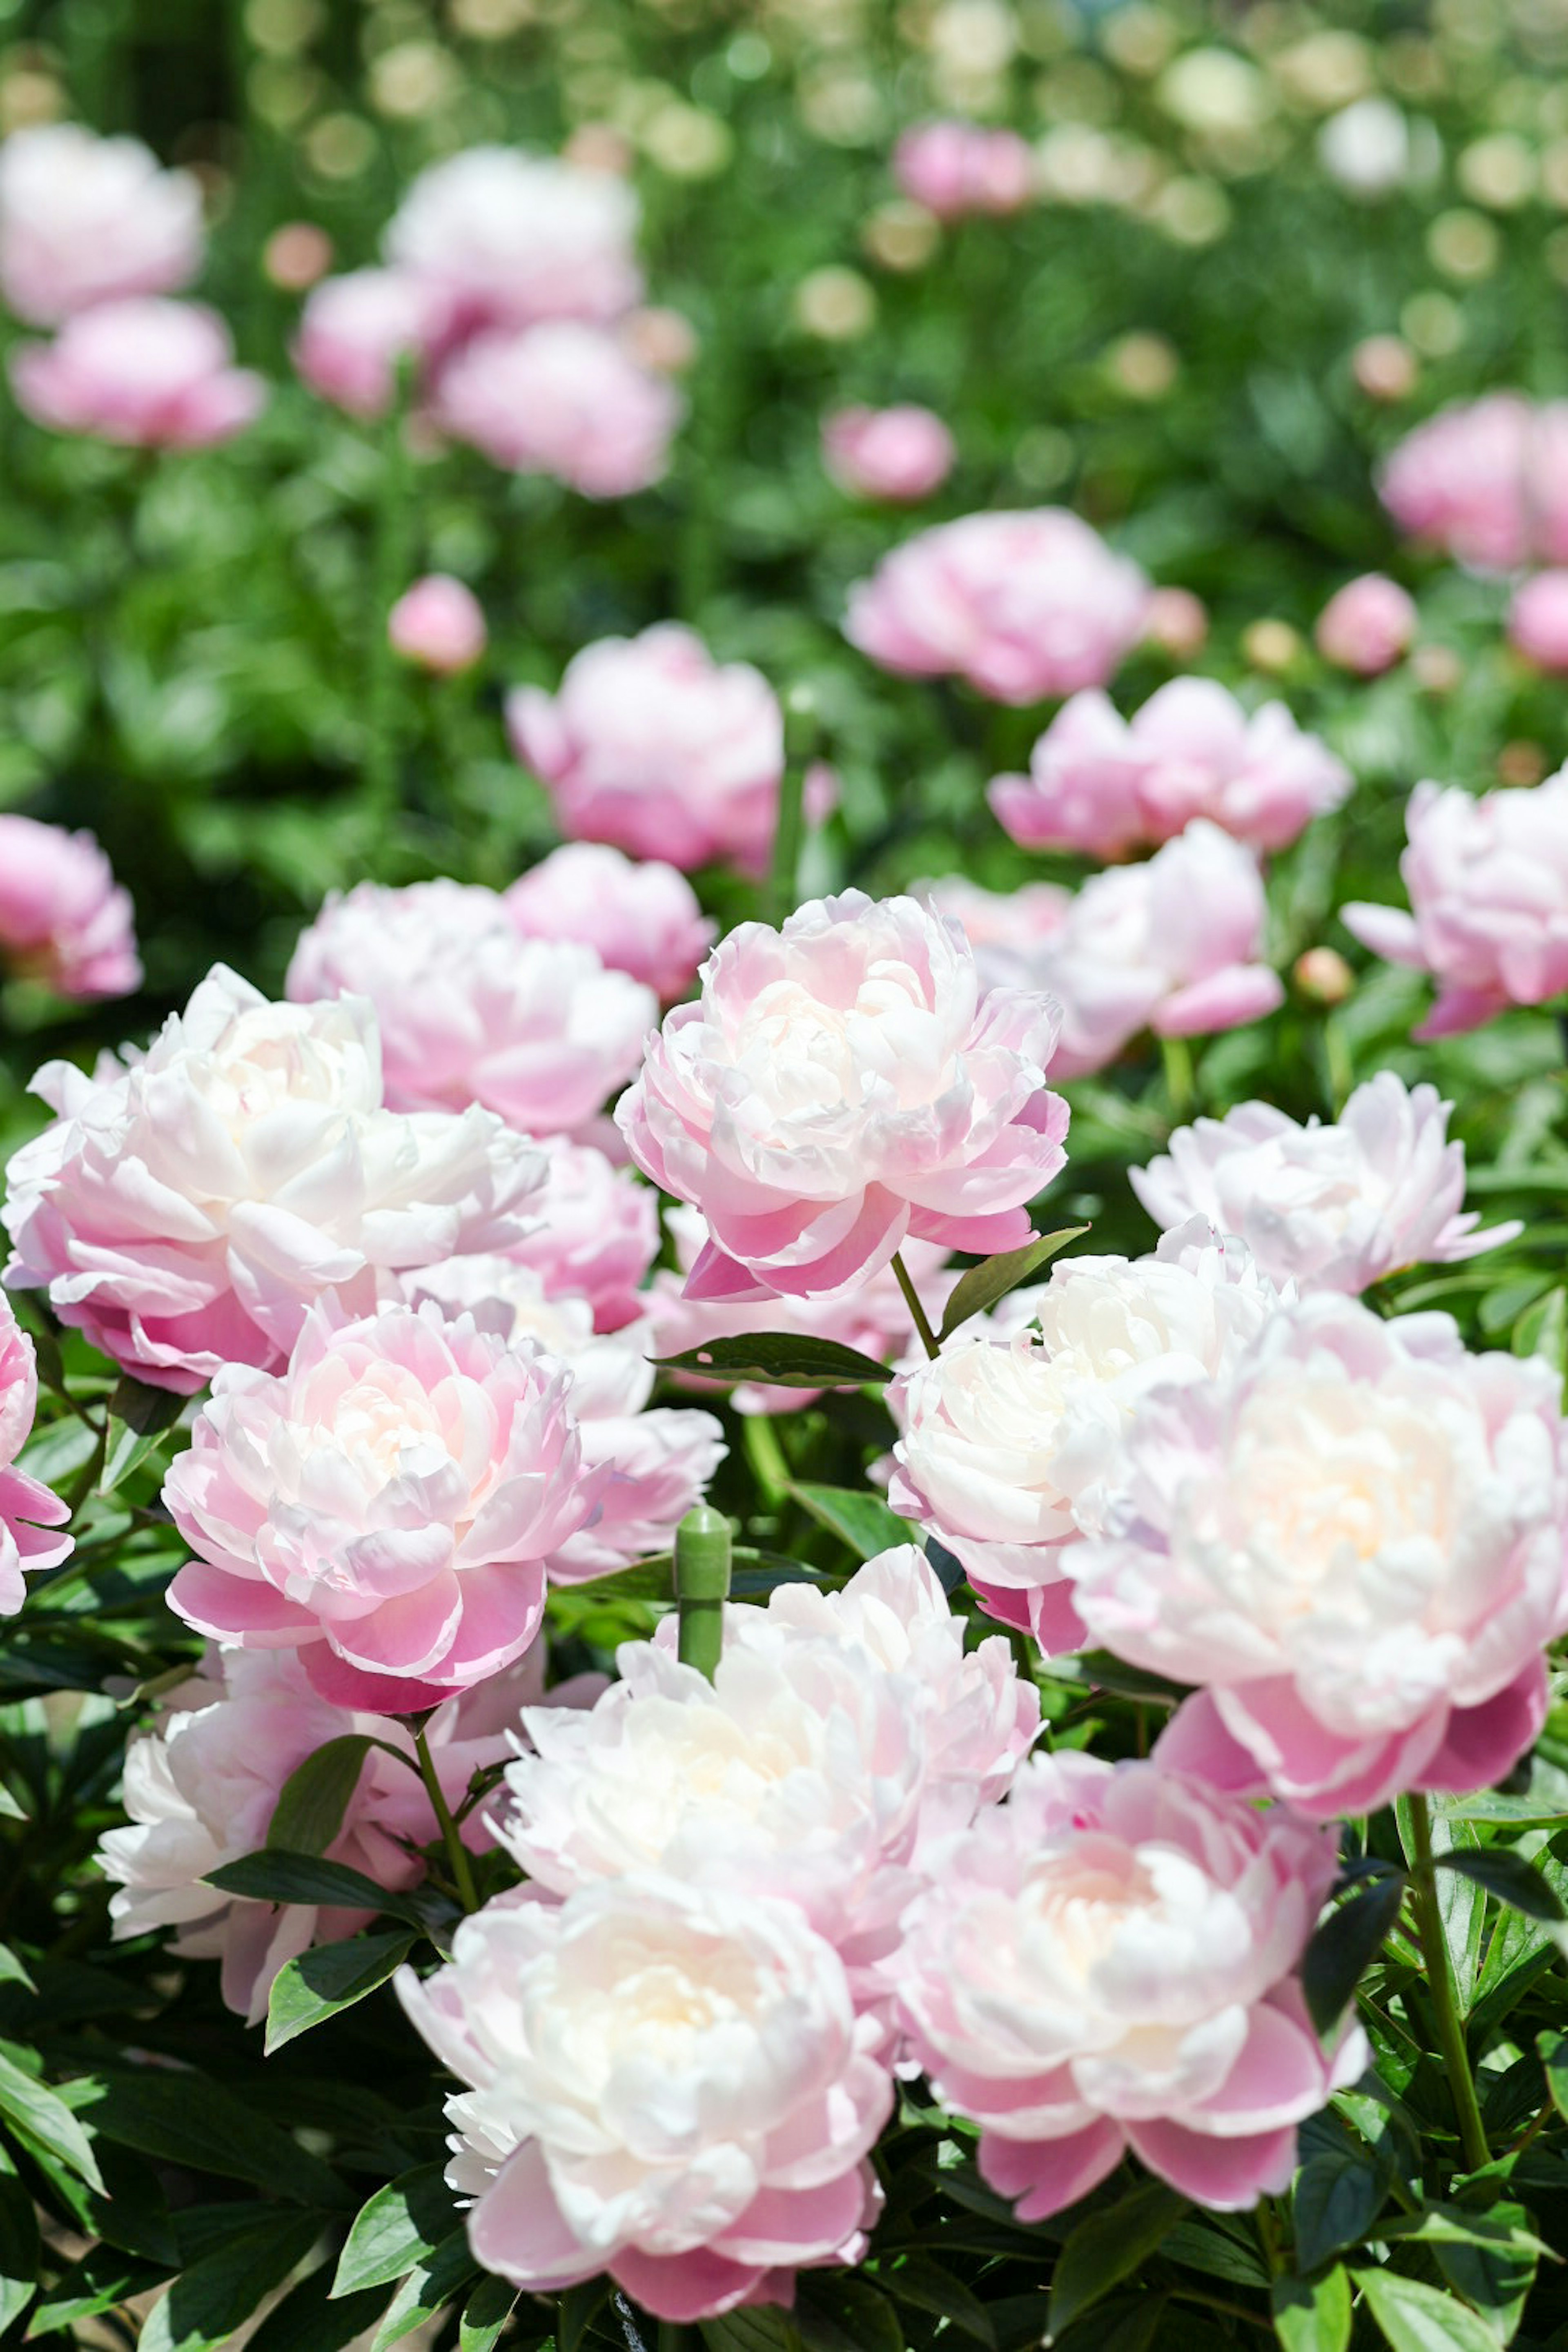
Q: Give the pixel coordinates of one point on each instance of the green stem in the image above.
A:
(800, 743)
(929, 1339)
(463, 1869)
(1440, 1982)
(702, 1547)
(1176, 1055)
(765, 1455)
(392, 562)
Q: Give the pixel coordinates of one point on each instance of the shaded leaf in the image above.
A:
(430, 2285)
(485, 2313)
(399, 2226)
(321, 1983)
(1509, 1878)
(310, 2320)
(275, 1876)
(1314, 2314)
(19, 2249)
(185, 2117)
(139, 1417)
(1344, 1947)
(1109, 2247)
(763, 2330)
(42, 2120)
(994, 1277)
(927, 2286)
(1552, 2050)
(314, 1798)
(863, 1521)
(1417, 2319)
(783, 1359)
(206, 2303)
(1338, 2195)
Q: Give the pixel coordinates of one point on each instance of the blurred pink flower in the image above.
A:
(356, 329)
(641, 918)
(1538, 621)
(384, 1506)
(564, 399)
(1367, 626)
(1488, 881)
(509, 239)
(1177, 622)
(651, 745)
(148, 374)
(86, 220)
(1486, 481)
(469, 1011)
(1107, 1964)
(438, 622)
(840, 1085)
(899, 454)
(64, 919)
(28, 1509)
(1103, 784)
(955, 168)
(1021, 606)
(593, 1234)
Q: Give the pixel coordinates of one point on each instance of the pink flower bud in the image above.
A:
(1538, 621)
(901, 454)
(1367, 626)
(439, 623)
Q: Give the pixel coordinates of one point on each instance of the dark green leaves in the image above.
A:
(188, 2119)
(782, 1358)
(1344, 1947)
(994, 1277)
(402, 2225)
(314, 1798)
(39, 2119)
(1339, 2193)
(274, 1876)
(207, 2303)
(1509, 1878)
(321, 1982)
(863, 1521)
(1109, 2247)
(138, 1418)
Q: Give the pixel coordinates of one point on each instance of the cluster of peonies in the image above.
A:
(64, 919)
(1484, 482)
(94, 239)
(507, 293)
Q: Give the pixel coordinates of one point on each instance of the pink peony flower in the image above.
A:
(148, 374)
(1367, 626)
(536, 1030)
(955, 168)
(1006, 1436)
(642, 919)
(666, 2082)
(1484, 482)
(1353, 1538)
(384, 1506)
(1328, 1208)
(64, 919)
(508, 239)
(1107, 1964)
(440, 623)
(1020, 605)
(356, 330)
(873, 1319)
(655, 747)
(562, 399)
(899, 454)
(593, 1232)
(1104, 785)
(201, 1787)
(27, 1507)
(86, 220)
(1538, 621)
(1488, 881)
(1177, 622)
(185, 1207)
(840, 1085)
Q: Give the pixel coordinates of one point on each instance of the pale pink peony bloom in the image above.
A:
(592, 1232)
(641, 918)
(185, 1207)
(509, 239)
(1333, 1207)
(659, 1463)
(955, 168)
(666, 2082)
(1485, 481)
(873, 1319)
(900, 453)
(64, 919)
(1020, 605)
(651, 745)
(145, 373)
(1103, 784)
(1488, 881)
(535, 1030)
(1353, 1538)
(1007, 1436)
(1107, 1964)
(1538, 621)
(440, 623)
(840, 1085)
(1367, 626)
(356, 330)
(86, 220)
(562, 399)
(29, 1511)
(202, 1784)
(1177, 622)
(384, 1506)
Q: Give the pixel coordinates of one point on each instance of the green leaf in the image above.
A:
(1552, 2050)
(1314, 2314)
(430, 2285)
(1416, 2319)
(139, 1417)
(40, 2117)
(863, 1521)
(1128, 2323)
(402, 2225)
(994, 1277)
(1491, 2262)
(580, 2306)
(1109, 2247)
(861, 2320)
(760, 2330)
(1344, 1947)
(314, 1798)
(485, 2313)
(1339, 2193)
(185, 2117)
(1509, 1879)
(321, 1983)
(207, 2303)
(784, 1359)
(926, 2286)
(309, 2320)
(19, 2249)
(104, 2276)
(275, 1876)
(1198, 2246)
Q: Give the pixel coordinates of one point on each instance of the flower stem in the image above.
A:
(394, 518)
(1177, 1056)
(1440, 1979)
(456, 1852)
(702, 1545)
(929, 1339)
(800, 742)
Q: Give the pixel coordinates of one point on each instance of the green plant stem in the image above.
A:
(1177, 1056)
(391, 570)
(765, 1455)
(456, 1852)
(1440, 1982)
(929, 1339)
